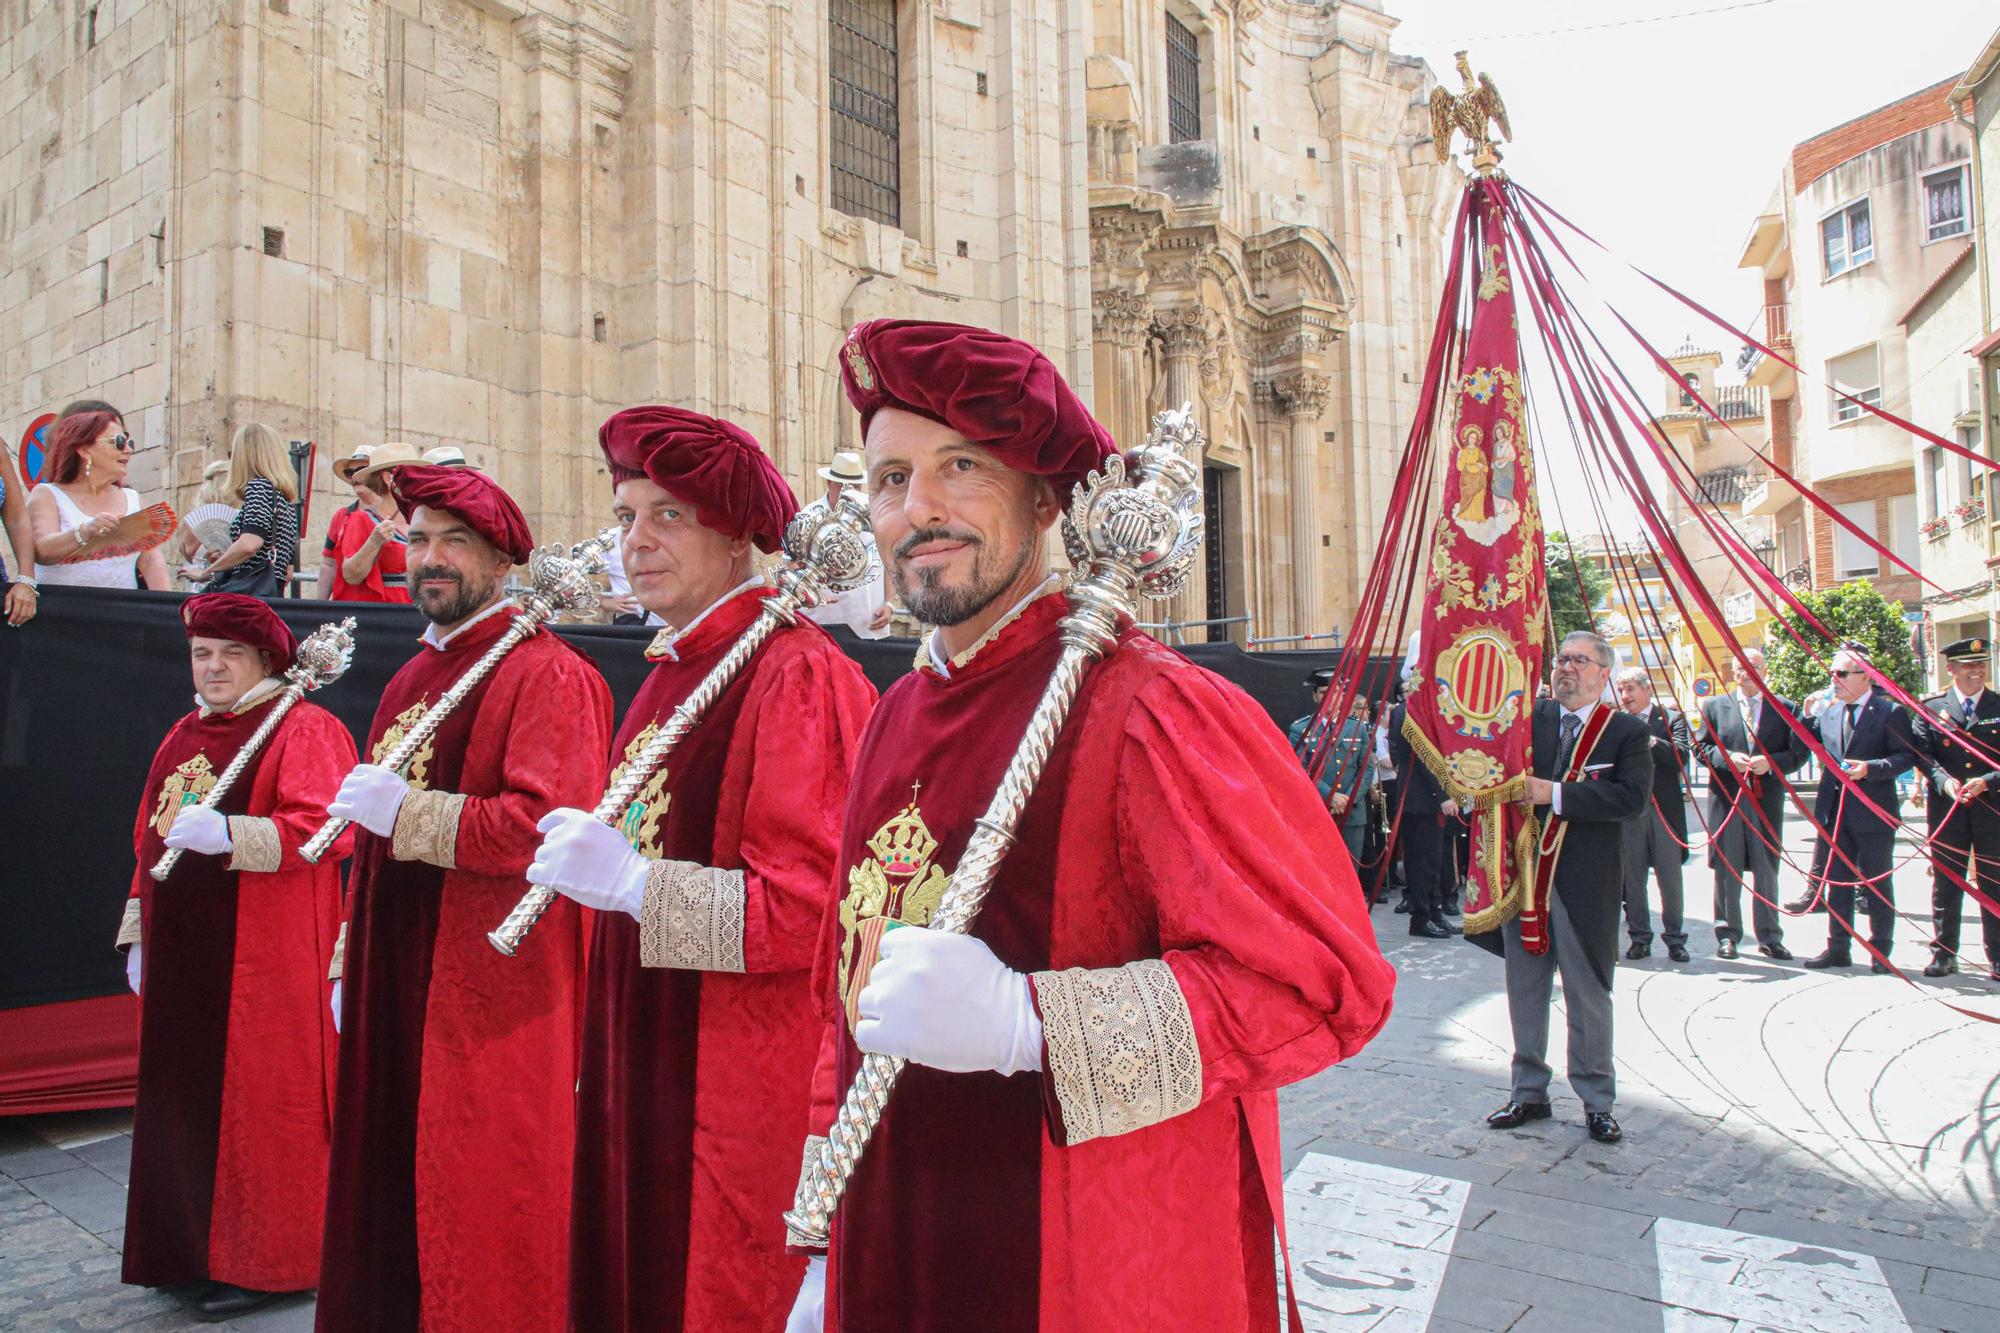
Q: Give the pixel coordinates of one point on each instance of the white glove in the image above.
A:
(336, 1004)
(809, 1310)
(588, 860)
(945, 1001)
(132, 968)
(370, 796)
(200, 829)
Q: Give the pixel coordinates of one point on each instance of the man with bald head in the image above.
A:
(1749, 745)
(1867, 736)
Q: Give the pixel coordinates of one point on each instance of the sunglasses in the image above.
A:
(124, 444)
(1843, 675)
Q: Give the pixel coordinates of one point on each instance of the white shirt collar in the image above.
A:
(663, 642)
(1962, 699)
(253, 696)
(943, 664)
(438, 641)
(1580, 714)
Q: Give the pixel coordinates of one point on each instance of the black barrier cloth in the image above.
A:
(90, 686)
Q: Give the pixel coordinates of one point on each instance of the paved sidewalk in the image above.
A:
(1803, 1151)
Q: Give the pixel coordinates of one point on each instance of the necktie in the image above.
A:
(1749, 707)
(1566, 743)
(1847, 729)
(1970, 709)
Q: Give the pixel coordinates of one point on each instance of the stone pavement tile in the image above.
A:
(1607, 1212)
(1507, 1283)
(36, 1159)
(1930, 1254)
(1615, 1195)
(84, 1195)
(112, 1156)
(1552, 1262)
(1473, 1172)
(1965, 1288)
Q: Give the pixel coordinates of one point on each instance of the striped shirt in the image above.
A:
(266, 512)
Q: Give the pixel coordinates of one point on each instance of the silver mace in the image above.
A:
(1131, 529)
(560, 581)
(827, 553)
(322, 657)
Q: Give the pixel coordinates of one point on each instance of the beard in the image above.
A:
(448, 606)
(933, 601)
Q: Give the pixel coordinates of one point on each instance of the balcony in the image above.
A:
(1767, 372)
(1766, 493)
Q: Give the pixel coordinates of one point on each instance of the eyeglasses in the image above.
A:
(1843, 675)
(124, 444)
(1575, 660)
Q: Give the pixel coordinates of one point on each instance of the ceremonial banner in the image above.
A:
(1485, 602)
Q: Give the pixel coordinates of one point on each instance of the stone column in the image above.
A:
(1184, 334)
(1304, 397)
(1118, 326)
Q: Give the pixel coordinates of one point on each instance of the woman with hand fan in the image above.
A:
(89, 527)
(264, 535)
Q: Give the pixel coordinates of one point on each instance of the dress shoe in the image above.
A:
(1993, 973)
(1678, 952)
(1403, 907)
(1638, 951)
(1828, 959)
(1941, 965)
(1603, 1127)
(1428, 929)
(1515, 1114)
(1812, 902)
(225, 1301)
(1878, 967)
(1775, 951)
(1451, 907)
(1725, 949)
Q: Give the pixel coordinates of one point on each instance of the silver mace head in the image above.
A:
(562, 576)
(826, 550)
(1142, 513)
(323, 655)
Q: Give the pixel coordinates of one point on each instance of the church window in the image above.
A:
(1183, 83)
(864, 93)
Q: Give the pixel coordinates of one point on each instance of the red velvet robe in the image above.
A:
(1172, 822)
(236, 1045)
(695, 1083)
(448, 1195)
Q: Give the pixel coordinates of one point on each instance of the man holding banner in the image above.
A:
(1593, 772)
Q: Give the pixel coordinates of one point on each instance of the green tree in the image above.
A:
(1856, 613)
(1576, 583)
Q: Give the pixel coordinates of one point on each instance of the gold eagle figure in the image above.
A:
(1469, 111)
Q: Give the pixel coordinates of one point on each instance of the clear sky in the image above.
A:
(1665, 138)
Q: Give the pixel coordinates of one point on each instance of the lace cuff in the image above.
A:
(427, 828)
(692, 917)
(339, 967)
(255, 840)
(128, 928)
(1121, 1051)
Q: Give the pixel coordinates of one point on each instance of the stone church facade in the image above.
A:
(490, 223)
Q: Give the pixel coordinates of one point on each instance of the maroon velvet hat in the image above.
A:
(240, 619)
(714, 465)
(994, 390)
(473, 496)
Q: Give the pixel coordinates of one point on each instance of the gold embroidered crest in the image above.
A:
(185, 786)
(896, 886)
(640, 824)
(858, 367)
(420, 767)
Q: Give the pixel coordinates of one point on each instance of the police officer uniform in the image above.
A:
(1959, 738)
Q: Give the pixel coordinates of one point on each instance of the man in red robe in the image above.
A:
(1087, 1135)
(699, 1023)
(229, 957)
(448, 1195)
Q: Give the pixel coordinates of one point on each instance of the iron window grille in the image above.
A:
(1183, 83)
(867, 151)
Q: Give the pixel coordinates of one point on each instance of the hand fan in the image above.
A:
(133, 534)
(210, 525)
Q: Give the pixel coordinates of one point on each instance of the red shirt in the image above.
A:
(349, 533)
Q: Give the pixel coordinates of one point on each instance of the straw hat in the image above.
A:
(845, 470)
(446, 455)
(344, 467)
(393, 454)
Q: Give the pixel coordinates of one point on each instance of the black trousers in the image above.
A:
(1871, 853)
(1953, 854)
(1429, 864)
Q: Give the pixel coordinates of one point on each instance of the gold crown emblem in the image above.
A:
(857, 363)
(904, 845)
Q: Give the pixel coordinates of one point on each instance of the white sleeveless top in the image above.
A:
(118, 571)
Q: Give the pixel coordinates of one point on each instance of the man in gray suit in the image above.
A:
(1749, 746)
(1593, 775)
(1656, 838)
